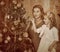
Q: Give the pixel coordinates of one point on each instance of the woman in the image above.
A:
(48, 34)
(37, 20)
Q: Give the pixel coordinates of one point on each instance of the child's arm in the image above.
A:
(55, 33)
(53, 45)
(56, 39)
(42, 30)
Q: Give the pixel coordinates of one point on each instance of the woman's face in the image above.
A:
(46, 20)
(36, 12)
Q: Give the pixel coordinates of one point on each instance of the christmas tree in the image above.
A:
(13, 27)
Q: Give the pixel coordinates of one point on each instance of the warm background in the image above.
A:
(48, 5)
(53, 5)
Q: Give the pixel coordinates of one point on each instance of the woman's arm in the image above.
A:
(38, 30)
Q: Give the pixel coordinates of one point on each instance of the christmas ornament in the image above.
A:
(7, 16)
(15, 22)
(15, 7)
(1, 34)
(14, 2)
(12, 28)
(20, 39)
(2, 3)
(8, 38)
(19, 5)
(25, 34)
(5, 30)
(25, 51)
(6, 41)
(1, 51)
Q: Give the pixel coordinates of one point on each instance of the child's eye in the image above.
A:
(37, 11)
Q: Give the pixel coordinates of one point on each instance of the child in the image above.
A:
(48, 34)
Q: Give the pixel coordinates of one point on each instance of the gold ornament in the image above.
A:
(15, 22)
(1, 51)
(25, 51)
(20, 39)
(4, 30)
(11, 17)
(18, 20)
(25, 34)
(19, 5)
(8, 38)
(2, 2)
(14, 2)
(6, 41)
(7, 16)
(1, 34)
(12, 28)
(15, 7)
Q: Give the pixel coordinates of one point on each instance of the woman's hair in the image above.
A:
(51, 17)
(41, 9)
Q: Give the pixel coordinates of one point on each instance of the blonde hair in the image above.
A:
(51, 17)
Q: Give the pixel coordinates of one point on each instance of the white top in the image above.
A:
(48, 36)
(51, 34)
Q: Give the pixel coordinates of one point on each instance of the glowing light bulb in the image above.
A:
(1, 51)
(4, 30)
(19, 5)
(25, 34)
(12, 28)
(20, 39)
(1, 34)
(8, 38)
(6, 41)
(2, 2)
(14, 2)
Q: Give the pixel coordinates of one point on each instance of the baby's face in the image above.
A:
(36, 12)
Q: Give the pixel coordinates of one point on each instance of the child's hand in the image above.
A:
(50, 48)
(53, 45)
